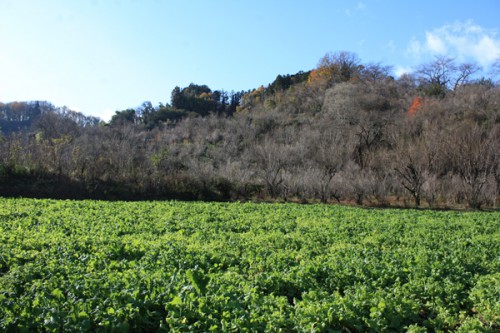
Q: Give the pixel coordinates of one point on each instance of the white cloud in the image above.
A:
(400, 70)
(486, 50)
(464, 41)
(434, 43)
(361, 6)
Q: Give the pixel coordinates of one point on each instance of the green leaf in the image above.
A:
(176, 301)
(83, 315)
(197, 280)
(57, 293)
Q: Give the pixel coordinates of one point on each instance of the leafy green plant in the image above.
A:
(86, 266)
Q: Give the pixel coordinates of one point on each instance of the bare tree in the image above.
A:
(327, 151)
(464, 72)
(443, 73)
(439, 71)
(361, 114)
(270, 160)
(342, 66)
(358, 183)
(375, 72)
(410, 167)
(416, 157)
(473, 152)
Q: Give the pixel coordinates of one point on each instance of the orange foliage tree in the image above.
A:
(334, 68)
(415, 106)
(319, 77)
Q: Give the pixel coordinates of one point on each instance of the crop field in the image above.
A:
(87, 266)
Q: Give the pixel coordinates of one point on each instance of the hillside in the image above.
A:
(341, 132)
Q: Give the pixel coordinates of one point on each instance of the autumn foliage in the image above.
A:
(319, 77)
(415, 106)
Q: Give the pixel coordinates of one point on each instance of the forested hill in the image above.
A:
(24, 116)
(345, 131)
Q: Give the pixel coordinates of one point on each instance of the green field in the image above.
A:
(86, 266)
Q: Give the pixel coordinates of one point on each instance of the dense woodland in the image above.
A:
(345, 131)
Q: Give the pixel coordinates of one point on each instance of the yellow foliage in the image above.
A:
(320, 76)
(205, 95)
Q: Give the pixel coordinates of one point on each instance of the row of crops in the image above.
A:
(86, 266)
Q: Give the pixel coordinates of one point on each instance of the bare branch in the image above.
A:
(464, 72)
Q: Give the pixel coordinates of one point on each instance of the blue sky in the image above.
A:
(99, 56)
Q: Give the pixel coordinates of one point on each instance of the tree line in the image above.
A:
(21, 116)
(341, 132)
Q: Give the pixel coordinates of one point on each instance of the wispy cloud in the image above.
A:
(415, 47)
(360, 6)
(391, 46)
(464, 41)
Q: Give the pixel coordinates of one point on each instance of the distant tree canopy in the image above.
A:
(194, 98)
(201, 100)
(192, 101)
(16, 116)
(283, 82)
(124, 117)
